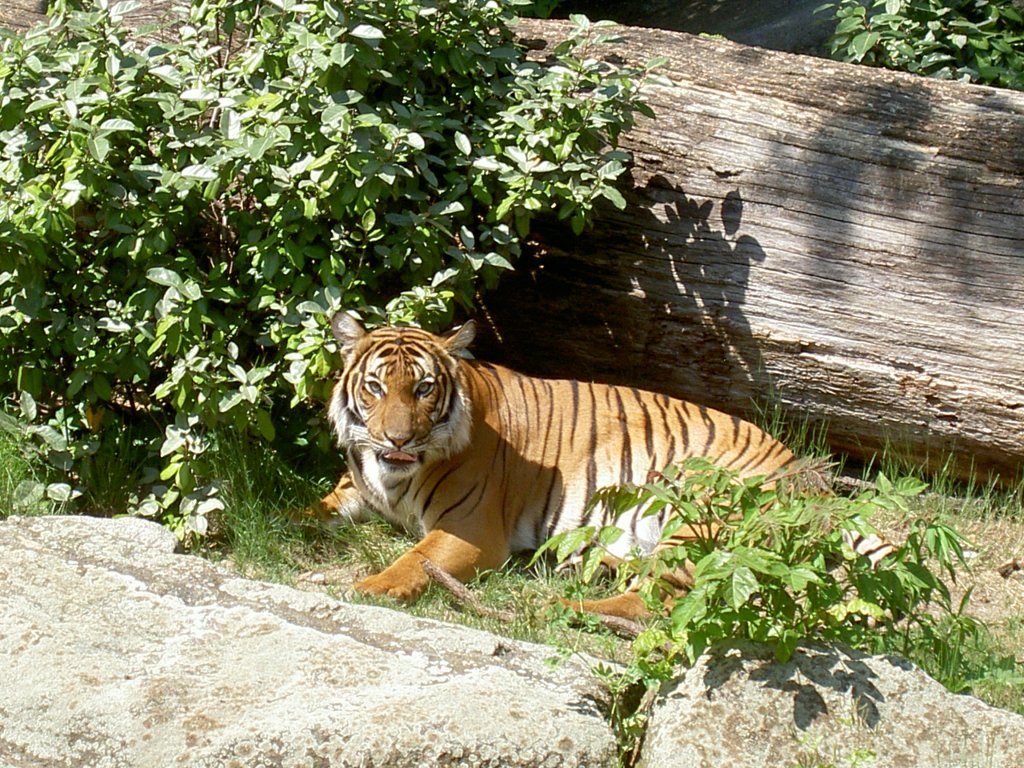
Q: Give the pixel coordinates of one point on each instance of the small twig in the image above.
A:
(622, 627)
(459, 591)
(1010, 567)
(462, 595)
(848, 484)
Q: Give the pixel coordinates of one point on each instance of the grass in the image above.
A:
(255, 534)
(22, 475)
(988, 664)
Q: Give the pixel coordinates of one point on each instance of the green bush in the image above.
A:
(977, 40)
(773, 566)
(178, 221)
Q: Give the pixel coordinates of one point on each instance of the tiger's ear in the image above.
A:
(457, 340)
(347, 331)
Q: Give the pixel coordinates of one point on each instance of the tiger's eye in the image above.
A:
(374, 388)
(424, 388)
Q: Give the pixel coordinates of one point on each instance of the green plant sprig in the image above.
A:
(772, 565)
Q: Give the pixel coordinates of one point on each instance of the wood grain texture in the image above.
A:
(156, 20)
(19, 15)
(845, 240)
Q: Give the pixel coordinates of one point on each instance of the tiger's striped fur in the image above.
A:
(482, 461)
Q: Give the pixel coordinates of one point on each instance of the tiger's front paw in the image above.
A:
(402, 581)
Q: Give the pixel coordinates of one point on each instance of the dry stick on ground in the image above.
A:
(464, 596)
(1008, 568)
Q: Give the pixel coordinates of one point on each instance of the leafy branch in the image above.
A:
(775, 565)
(977, 40)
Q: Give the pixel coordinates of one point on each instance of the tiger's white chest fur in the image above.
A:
(387, 491)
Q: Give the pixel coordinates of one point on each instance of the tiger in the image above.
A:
(480, 461)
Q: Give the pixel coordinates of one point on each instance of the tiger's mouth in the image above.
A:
(400, 457)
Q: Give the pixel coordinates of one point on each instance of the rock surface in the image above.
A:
(118, 652)
(738, 708)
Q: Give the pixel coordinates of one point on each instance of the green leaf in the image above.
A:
(910, 486)
(229, 401)
(786, 645)
(51, 437)
(367, 32)
(41, 105)
(415, 141)
(592, 559)
(99, 147)
(27, 404)
(568, 542)
(848, 24)
(742, 585)
(689, 610)
(487, 164)
(230, 124)
(198, 172)
(190, 290)
(174, 440)
(799, 576)
(614, 196)
(59, 492)
(101, 386)
(608, 535)
(265, 425)
(341, 54)
(258, 146)
(167, 277)
(497, 260)
(118, 124)
(199, 94)
(122, 8)
(863, 43)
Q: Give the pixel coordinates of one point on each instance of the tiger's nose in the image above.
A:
(400, 439)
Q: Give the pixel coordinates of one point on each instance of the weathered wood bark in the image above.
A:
(845, 240)
(160, 18)
(19, 15)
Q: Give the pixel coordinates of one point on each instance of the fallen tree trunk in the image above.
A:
(159, 19)
(844, 241)
(20, 15)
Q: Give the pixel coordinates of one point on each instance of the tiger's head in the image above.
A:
(401, 401)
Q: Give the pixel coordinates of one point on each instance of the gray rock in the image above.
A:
(118, 652)
(739, 708)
